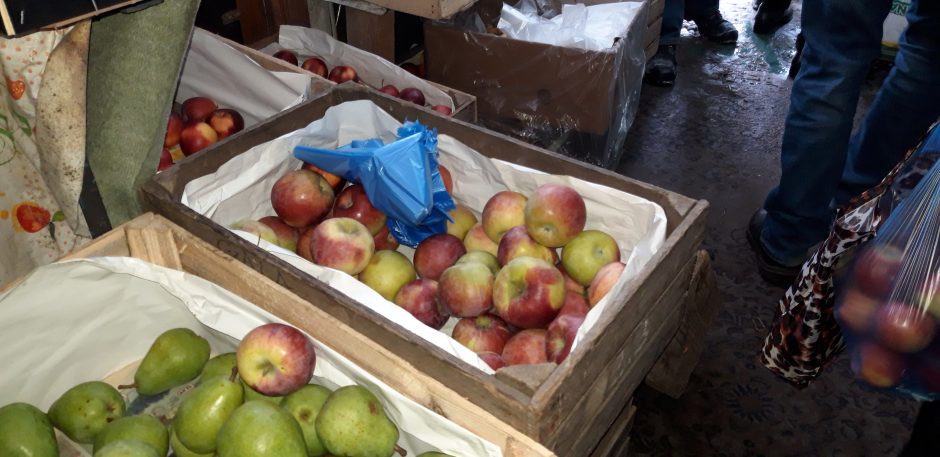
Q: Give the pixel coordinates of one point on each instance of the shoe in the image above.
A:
(716, 28)
(661, 69)
(795, 62)
(772, 271)
(770, 17)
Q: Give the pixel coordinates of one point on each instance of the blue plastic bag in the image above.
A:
(401, 179)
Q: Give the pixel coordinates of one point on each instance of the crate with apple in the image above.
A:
(613, 351)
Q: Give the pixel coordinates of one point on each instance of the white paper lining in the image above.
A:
(592, 28)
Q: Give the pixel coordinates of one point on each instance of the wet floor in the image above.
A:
(716, 135)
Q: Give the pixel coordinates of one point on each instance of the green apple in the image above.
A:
(583, 256)
(387, 272)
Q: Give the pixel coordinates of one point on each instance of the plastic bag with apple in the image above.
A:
(889, 308)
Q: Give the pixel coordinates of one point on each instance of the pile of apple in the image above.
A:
(342, 73)
(517, 299)
(199, 124)
(894, 330)
(256, 402)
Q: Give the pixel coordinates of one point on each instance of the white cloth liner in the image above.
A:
(76, 321)
(591, 28)
(240, 189)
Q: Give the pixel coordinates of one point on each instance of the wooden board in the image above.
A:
(430, 9)
(613, 442)
(578, 401)
(24, 16)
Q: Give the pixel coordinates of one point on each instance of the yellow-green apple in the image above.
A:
(226, 122)
(419, 297)
(437, 253)
(587, 253)
(575, 304)
(604, 280)
(287, 236)
(174, 126)
(570, 283)
(494, 360)
(447, 178)
(316, 66)
(484, 333)
(560, 336)
(481, 257)
(301, 198)
(463, 220)
(477, 240)
(876, 269)
(197, 136)
(502, 212)
(303, 243)
(385, 240)
(466, 289)
(287, 56)
(353, 202)
(336, 182)
(343, 244)
(342, 73)
(930, 296)
(878, 366)
(516, 242)
(526, 347)
(198, 109)
(856, 311)
(275, 359)
(386, 273)
(528, 292)
(904, 328)
(554, 215)
(257, 228)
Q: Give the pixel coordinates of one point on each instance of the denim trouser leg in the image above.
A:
(700, 8)
(674, 11)
(843, 37)
(907, 104)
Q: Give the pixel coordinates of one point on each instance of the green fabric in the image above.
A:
(134, 65)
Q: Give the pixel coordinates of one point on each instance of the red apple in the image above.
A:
(275, 359)
(166, 160)
(343, 244)
(410, 94)
(570, 283)
(604, 280)
(930, 295)
(560, 336)
(387, 272)
(463, 220)
(197, 136)
(516, 242)
(316, 66)
(301, 198)
(481, 257)
(303, 243)
(353, 202)
(466, 289)
(447, 178)
(226, 122)
(412, 68)
(342, 73)
(876, 269)
(878, 366)
(904, 328)
(437, 253)
(554, 215)
(390, 90)
(528, 292)
(419, 297)
(198, 109)
(526, 347)
(494, 360)
(174, 127)
(575, 304)
(856, 311)
(385, 240)
(287, 236)
(336, 182)
(502, 212)
(590, 250)
(287, 56)
(477, 240)
(484, 333)
(443, 109)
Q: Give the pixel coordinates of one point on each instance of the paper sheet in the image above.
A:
(240, 189)
(81, 320)
(592, 28)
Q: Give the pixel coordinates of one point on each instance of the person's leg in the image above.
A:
(905, 106)
(661, 68)
(924, 440)
(710, 22)
(673, 12)
(842, 38)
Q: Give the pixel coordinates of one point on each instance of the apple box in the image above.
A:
(649, 327)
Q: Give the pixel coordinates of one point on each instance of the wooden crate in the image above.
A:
(569, 408)
(430, 9)
(25, 16)
(157, 240)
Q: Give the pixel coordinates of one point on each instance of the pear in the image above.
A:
(148, 429)
(175, 358)
(352, 423)
(304, 404)
(220, 365)
(434, 454)
(127, 448)
(252, 394)
(179, 450)
(82, 411)
(204, 410)
(261, 429)
(26, 432)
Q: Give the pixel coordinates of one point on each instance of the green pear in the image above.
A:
(127, 448)
(261, 429)
(148, 429)
(220, 365)
(252, 394)
(434, 454)
(304, 404)
(180, 450)
(26, 432)
(204, 410)
(352, 423)
(82, 411)
(175, 358)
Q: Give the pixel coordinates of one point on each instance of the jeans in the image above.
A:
(820, 165)
(674, 11)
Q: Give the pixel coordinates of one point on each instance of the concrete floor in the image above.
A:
(716, 135)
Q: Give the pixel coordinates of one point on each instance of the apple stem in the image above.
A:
(127, 386)
(401, 451)
(234, 374)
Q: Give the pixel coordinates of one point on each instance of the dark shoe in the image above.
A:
(795, 63)
(769, 269)
(771, 17)
(716, 28)
(661, 69)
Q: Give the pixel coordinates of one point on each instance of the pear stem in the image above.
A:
(401, 451)
(127, 386)
(234, 374)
